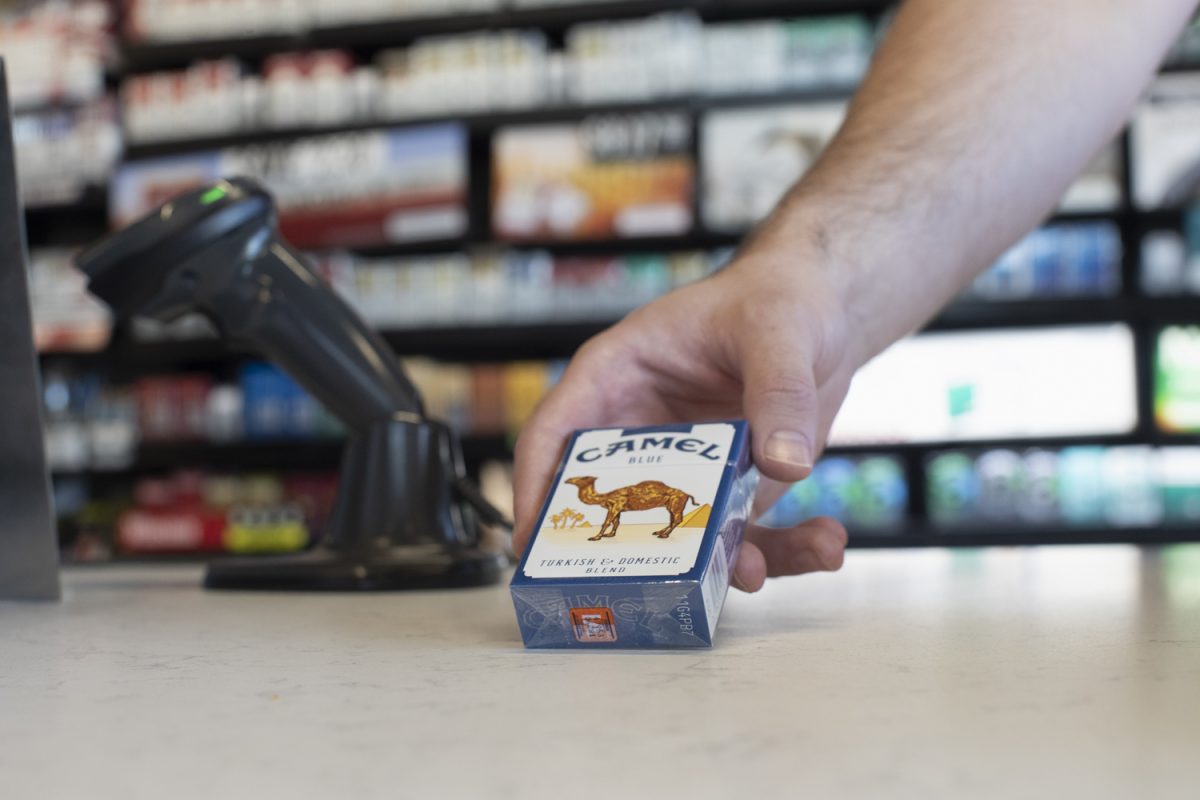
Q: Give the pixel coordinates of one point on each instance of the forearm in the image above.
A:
(975, 118)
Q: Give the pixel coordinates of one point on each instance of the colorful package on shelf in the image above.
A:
(476, 72)
(88, 424)
(1165, 151)
(345, 190)
(175, 20)
(608, 176)
(276, 407)
(780, 55)
(751, 157)
(446, 389)
(170, 516)
(1177, 379)
(999, 384)
(173, 407)
(189, 512)
(54, 53)
(1084, 486)
(868, 493)
(1170, 258)
(635, 60)
(1060, 261)
(637, 539)
(62, 153)
(207, 99)
(65, 316)
(1098, 188)
(313, 88)
(190, 20)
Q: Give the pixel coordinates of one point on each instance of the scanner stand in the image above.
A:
(406, 517)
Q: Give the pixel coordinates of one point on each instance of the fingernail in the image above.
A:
(786, 447)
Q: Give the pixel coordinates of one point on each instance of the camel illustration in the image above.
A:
(639, 497)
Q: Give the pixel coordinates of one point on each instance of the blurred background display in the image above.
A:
(492, 182)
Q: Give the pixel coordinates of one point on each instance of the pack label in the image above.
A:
(631, 504)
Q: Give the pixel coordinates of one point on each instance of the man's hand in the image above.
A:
(973, 120)
(752, 341)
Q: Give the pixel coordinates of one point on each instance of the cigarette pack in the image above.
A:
(638, 538)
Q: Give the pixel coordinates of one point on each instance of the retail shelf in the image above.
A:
(485, 121)
(1032, 313)
(90, 200)
(496, 342)
(377, 34)
(460, 343)
(265, 455)
(294, 455)
(560, 339)
(982, 536)
(907, 537)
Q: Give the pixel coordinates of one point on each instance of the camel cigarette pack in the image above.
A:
(638, 538)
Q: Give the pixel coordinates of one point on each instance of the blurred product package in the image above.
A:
(190, 512)
(55, 53)
(619, 175)
(1022, 383)
(66, 317)
(340, 190)
(781, 55)
(751, 157)
(1165, 148)
(1084, 486)
(664, 57)
(1068, 260)
(867, 493)
(1170, 258)
(1177, 379)
(174, 20)
(61, 153)
(507, 287)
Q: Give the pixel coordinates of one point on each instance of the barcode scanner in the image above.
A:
(406, 516)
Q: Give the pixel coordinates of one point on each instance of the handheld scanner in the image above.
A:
(216, 251)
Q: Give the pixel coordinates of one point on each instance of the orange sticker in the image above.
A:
(593, 625)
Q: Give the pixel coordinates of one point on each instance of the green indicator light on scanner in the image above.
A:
(212, 195)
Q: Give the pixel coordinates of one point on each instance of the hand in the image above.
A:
(759, 340)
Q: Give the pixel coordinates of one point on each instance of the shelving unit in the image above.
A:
(553, 20)
(80, 222)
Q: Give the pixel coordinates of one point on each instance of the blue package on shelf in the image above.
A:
(269, 394)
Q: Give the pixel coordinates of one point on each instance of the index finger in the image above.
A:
(575, 403)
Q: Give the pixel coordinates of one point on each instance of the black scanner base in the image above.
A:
(326, 570)
(403, 520)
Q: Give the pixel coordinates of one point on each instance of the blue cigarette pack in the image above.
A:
(638, 538)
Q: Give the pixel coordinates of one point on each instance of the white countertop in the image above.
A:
(1054, 672)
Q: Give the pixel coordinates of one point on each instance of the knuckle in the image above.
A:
(788, 391)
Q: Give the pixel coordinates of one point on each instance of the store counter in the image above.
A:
(1054, 672)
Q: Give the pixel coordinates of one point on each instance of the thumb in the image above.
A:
(781, 404)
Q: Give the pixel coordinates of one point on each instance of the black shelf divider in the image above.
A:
(921, 536)
(260, 455)
(560, 339)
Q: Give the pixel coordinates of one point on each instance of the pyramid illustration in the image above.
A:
(698, 518)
